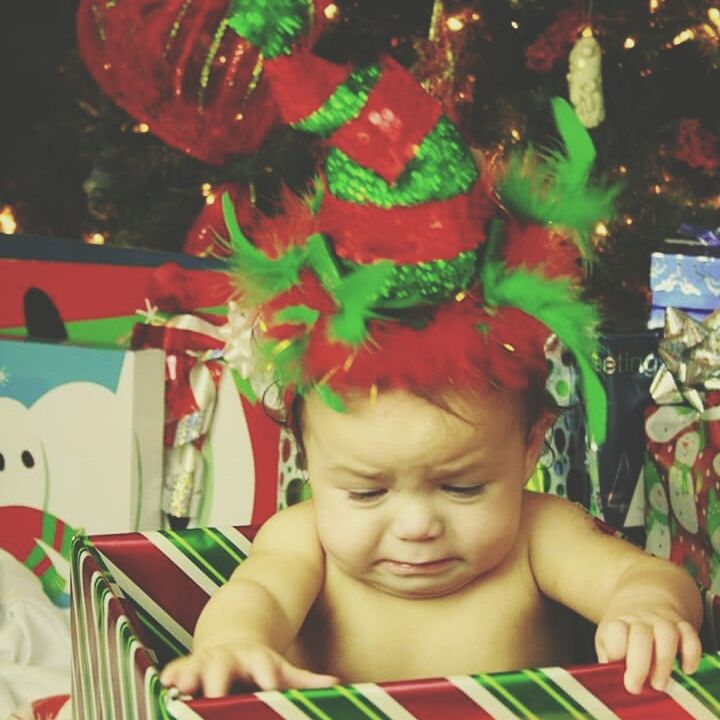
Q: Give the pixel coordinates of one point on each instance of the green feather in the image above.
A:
(330, 397)
(555, 303)
(259, 276)
(356, 295)
(554, 188)
(297, 315)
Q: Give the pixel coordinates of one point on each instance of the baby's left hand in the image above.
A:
(649, 642)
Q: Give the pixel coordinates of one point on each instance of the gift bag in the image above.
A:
(222, 461)
(136, 599)
(57, 289)
(626, 365)
(682, 467)
(562, 467)
(81, 436)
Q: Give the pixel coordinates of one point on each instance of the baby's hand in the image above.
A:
(215, 669)
(649, 642)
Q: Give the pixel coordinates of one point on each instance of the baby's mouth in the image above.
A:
(430, 567)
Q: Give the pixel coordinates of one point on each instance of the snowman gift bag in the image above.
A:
(682, 467)
(80, 441)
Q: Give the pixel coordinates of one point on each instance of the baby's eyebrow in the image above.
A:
(361, 473)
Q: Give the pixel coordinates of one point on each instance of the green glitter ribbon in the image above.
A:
(344, 105)
(425, 283)
(273, 26)
(442, 168)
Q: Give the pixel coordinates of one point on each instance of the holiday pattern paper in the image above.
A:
(690, 282)
(682, 487)
(138, 595)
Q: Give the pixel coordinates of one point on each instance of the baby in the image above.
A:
(420, 554)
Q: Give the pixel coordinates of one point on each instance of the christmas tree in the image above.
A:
(644, 77)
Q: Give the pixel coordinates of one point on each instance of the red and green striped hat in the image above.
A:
(408, 266)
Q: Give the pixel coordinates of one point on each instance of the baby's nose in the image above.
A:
(417, 520)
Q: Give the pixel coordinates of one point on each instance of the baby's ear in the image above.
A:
(536, 439)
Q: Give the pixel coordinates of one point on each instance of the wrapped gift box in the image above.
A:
(136, 598)
(90, 294)
(685, 275)
(82, 434)
(682, 490)
(682, 467)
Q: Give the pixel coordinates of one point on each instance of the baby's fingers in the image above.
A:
(611, 640)
(183, 673)
(639, 656)
(667, 639)
(690, 647)
(298, 678)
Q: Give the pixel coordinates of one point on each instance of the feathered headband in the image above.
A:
(407, 266)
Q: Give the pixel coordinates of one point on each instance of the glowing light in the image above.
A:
(239, 117)
(515, 24)
(95, 238)
(331, 11)
(601, 229)
(509, 347)
(714, 15)
(206, 189)
(654, 5)
(454, 23)
(8, 223)
(657, 189)
(629, 43)
(515, 134)
(475, 16)
(628, 220)
(622, 169)
(684, 36)
(460, 296)
(141, 128)
(587, 32)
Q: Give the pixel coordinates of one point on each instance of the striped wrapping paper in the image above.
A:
(136, 598)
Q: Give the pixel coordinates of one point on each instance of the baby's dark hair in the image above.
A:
(538, 403)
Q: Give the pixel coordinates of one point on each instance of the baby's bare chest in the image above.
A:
(361, 634)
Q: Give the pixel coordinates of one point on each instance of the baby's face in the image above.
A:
(413, 499)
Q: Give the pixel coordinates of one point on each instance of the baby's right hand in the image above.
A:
(215, 669)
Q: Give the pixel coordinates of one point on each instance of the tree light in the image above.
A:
(601, 229)
(684, 36)
(96, 238)
(454, 23)
(331, 11)
(141, 128)
(8, 224)
(629, 43)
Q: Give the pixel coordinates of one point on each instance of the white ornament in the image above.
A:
(585, 81)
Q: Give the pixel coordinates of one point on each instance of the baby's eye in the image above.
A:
(463, 490)
(366, 495)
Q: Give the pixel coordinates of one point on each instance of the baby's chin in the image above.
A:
(418, 588)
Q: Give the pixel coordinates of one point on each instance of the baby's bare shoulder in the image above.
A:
(293, 527)
(542, 510)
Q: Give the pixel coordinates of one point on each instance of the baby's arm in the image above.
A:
(647, 610)
(247, 626)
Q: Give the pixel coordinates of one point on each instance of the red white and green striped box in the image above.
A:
(136, 597)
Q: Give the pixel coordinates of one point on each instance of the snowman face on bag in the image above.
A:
(682, 497)
(657, 497)
(687, 448)
(23, 468)
(658, 537)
